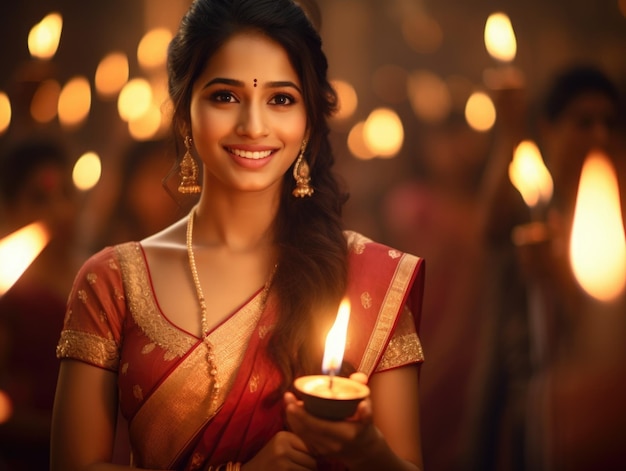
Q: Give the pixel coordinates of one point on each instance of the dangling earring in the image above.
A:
(301, 173)
(188, 172)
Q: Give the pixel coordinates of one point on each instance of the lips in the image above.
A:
(252, 155)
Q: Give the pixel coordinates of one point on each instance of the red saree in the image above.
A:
(178, 419)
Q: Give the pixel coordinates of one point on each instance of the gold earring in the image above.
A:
(188, 172)
(301, 173)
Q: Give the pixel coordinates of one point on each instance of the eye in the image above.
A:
(223, 96)
(282, 99)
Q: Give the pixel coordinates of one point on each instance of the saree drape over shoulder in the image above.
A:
(185, 415)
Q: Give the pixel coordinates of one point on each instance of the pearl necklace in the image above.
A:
(202, 302)
(203, 309)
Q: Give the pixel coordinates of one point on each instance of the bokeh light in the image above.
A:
(480, 112)
(348, 99)
(44, 37)
(383, 132)
(134, 99)
(152, 49)
(87, 171)
(5, 112)
(74, 101)
(111, 74)
(45, 102)
(429, 96)
(356, 143)
(500, 38)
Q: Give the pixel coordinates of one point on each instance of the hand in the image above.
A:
(284, 452)
(344, 440)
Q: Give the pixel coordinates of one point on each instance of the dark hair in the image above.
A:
(22, 159)
(573, 82)
(312, 263)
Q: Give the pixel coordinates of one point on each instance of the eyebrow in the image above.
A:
(240, 83)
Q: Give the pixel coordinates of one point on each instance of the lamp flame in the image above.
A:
(529, 175)
(18, 250)
(500, 38)
(336, 340)
(598, 244)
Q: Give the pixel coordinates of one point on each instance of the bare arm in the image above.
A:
(84, 418)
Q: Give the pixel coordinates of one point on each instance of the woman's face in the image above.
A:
(248, 117)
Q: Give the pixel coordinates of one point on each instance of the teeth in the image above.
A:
(251, 155)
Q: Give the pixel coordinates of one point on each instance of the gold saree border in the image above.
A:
(173, 415)
(388, 311)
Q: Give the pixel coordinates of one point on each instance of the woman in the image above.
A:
(204, 326)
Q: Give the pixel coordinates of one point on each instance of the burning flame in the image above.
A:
(598, 244)
(500, 38)
(336, 340)
(18, 250)
(6, 407)
(529, 175)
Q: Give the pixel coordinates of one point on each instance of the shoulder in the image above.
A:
(362, 247)
(109, 257)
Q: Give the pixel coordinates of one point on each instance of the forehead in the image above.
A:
(249, 55)
(591, 103)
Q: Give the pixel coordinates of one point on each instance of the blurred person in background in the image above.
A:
(581, 112)
(548, 397)
(35, 184)
(143, 205)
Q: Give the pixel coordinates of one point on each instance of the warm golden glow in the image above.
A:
(348, 99)
(336, 340)
(18, 250)
(6, 407)
(5, 112)
(74, 101)
(152, 49)
(529, 174)
(356, 143)
(500, 38)
(147, 125)
(598, 244)
(480, 112)
(422, 33)
(389, 83)
(429, 96)
(44, 37)
(45, 102)
(134, 99)
(383, 132)
(87, 171)
(111, 74)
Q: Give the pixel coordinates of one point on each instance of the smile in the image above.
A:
(255, 155)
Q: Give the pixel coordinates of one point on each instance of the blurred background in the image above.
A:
(525, 357)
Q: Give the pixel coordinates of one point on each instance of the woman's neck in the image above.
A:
(240, 223)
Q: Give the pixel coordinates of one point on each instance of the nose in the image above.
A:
(252, 121)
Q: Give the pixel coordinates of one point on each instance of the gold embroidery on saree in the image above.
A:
(143, 307)
(389, 307)
(400, 351)
(166, 426)
(366, 300)
(88, 347)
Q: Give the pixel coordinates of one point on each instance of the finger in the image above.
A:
(290, 398)
(359, 377)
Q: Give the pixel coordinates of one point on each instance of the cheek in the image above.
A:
(207, 128)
